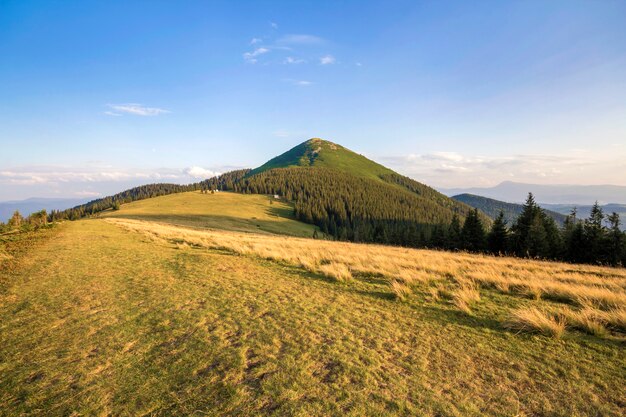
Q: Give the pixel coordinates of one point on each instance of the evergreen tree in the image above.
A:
(595, 234)
(536, 242)
(498, 237)
(454, 234)
(553, 237)
(616, 240)
(520, 232)
(473, 233)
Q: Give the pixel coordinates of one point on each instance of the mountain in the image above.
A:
(548, 194)
(320, 153)
(493, 207)
(31, 205)
(347, 195)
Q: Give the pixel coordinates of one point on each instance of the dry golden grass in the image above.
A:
(533, 320)
(400, 290)
(335, 270)
(99, 320)
(464, 297)
(584, 286)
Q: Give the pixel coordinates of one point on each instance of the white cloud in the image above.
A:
(200, 173)
(292, 60)
(300, 40)
(254, 41)
(86, 193)
(301, 83)
(251, 57)
(451, 169)
(327, 60)
(135, 109)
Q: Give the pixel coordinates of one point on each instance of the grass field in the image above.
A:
(228, 211)
(123, 317)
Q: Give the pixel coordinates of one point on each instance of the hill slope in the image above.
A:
(347, 195)
(324, 154)
(224, 210)
(493, 207)
(101, 320)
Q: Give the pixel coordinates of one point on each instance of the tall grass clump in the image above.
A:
(400, 290)
(464, 297)
(533, 320)
(339, 272)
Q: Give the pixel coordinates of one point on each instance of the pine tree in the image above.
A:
(522, 227)
(498, 237)
(473, 233)
(454, 234)
(595, 234)
(616, 240)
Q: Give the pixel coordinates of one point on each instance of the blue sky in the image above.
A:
(98, 96)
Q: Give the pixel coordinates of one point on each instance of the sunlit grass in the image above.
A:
(101, 320)
(579, 285)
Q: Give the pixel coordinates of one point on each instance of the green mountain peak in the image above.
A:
(317, 152)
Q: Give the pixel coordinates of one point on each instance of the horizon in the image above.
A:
(99, 98)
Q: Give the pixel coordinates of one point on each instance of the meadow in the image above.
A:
(222, 210)
(121, 316)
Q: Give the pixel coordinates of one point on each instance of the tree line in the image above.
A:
(597, 239)
(17, 222)
(396, 210)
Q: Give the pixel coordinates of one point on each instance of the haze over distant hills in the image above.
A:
(31, 205)
(511, 211)
(548, 194)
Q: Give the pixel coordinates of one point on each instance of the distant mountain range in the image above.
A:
(31, 205)
(493, 207)
(548, 194)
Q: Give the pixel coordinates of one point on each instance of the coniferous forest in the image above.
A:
(397, 211)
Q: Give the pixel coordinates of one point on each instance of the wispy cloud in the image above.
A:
(86, 193)
(200, 173)
(65, 175)
(254, 41)
(274, 25)
(327, 60)
(301, 83)
(251, 57)
(301, 39)
(292, 60)
(135, 110)
(451, 169)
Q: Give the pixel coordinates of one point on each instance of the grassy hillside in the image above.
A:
(493, 207)
(324, 154)
(349, 196)
(223, 210)
(124, 317)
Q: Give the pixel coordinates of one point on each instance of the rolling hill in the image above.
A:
(511, 211)
(347, 195)
(181, 305)
(224, 210)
